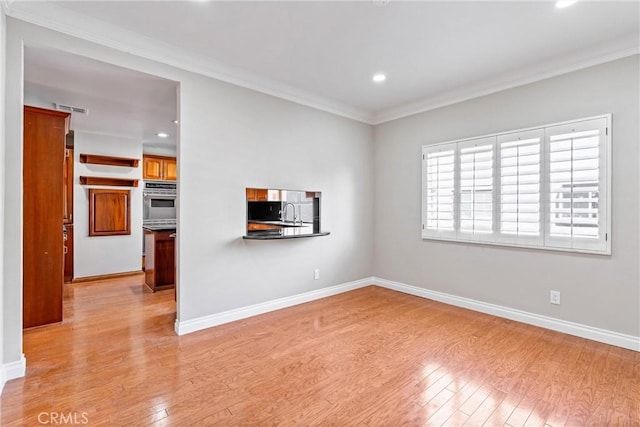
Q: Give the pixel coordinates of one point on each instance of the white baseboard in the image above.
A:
(589, 332)
(13, 370)
(193, 325)
(584, 331)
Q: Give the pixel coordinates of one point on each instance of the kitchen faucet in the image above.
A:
(283, 212)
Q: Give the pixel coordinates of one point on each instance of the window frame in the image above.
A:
(542, 241)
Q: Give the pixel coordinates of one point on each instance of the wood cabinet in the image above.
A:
(160, 259)
(109, 212)
(68, 253)
(170, 169)
(43, 213)
(159, 168)
(67, 185)
(262, 195)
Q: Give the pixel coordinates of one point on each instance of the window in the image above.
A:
(546, 187)
(439, 197)
(476, 189)
(520, 187)
(577, 194)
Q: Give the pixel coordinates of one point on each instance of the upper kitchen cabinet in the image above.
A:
(159, 168)
(262, 195)
(169, 169)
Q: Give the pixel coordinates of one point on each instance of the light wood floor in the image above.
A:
(366, 357)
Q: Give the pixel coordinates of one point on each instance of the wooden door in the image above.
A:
(43, 205)
(151, 167)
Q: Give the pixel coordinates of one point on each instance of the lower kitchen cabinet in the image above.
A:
(160, 259)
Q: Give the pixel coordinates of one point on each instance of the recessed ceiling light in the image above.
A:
(162, 134)
(379, 78)
(174, 122)
(561, 4)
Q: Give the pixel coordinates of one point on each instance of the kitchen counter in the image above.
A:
(283, 233)
(159, 224)
(161, 227)
(281, 223)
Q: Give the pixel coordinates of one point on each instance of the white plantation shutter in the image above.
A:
(545, 187)
(520, 160)
(476, 189)
(438, 198)
(577, 187)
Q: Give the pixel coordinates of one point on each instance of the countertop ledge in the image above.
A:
(274, 236)
(159, 227)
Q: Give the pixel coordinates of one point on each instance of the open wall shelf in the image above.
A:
(111, 182)
(97, 159)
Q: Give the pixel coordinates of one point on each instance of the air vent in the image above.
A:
(70, 109)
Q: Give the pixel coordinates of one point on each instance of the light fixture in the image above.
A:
(162, 134)
(175, 122)
(379, 78)
(561, 4)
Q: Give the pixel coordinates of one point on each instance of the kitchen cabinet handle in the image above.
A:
(172, 235)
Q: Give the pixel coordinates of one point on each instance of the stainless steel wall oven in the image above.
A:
(159, 201)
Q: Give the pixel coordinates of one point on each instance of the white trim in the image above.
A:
(193, 325)
(469, 92)
(6, 6)
(583, 331)
(63, 20)
(68, 22)
(13, 370)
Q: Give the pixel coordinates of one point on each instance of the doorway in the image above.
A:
(118, 116)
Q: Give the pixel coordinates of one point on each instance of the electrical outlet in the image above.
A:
(316, 274)
(554, 297)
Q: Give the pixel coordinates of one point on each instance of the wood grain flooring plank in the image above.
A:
(366, 357)
(488, 406)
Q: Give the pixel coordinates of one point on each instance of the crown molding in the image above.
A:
(6, 6)
(619, 49)
(65, 21)
(68, 22)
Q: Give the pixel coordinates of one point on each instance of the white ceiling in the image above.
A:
(323, 54)
(120, 101)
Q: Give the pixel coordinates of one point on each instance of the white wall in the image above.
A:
(231, 138)
(246, 139)
(598, 291)
(2, 145)
(160, 151)
(95, 256)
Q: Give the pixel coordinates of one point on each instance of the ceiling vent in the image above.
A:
(70, 109)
